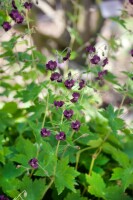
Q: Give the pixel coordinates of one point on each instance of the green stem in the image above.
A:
(44, 118)
(79, 153)
(57, 148)
(28, 24)
(48, 186)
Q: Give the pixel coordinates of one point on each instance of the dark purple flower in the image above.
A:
(67, 56)
(68, 113)
(60, 136)
(33, 163)
(2, 197)
(131, 1)
(58, 103)
(69, 83)
(75, 98)
(28, 5)
(6, 26)
(105, 62)
(81, 84)
(101, 74)
(55, 76)
(51, 65)
(14, 5)
(75, 125)
(131, 52)
(90, 49)
(16, 16)
(95, 60)
(45, 132)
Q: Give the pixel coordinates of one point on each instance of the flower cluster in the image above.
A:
(16, 15)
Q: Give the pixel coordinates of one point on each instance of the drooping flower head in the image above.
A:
(28, 5)
(58, 103)
(45, 132)
(68, 114)
(81, 84)
(60, 136)
(51, 65)
(105, 62)
(101, 74)
(69, 83)
(75, 125)
(33, 163)
(6, 26)
(14, 5)
(95, 60)
(56, 77)
(75, 98)
(67, 56)
(90, 49)
(16, 16)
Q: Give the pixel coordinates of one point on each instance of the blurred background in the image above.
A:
(58, 24)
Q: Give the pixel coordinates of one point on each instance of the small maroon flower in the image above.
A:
(58, 103)
(75, 125)
(68, 114)
(28, 5)
(131, 1)
(75, 98)
(55, 76)
(2, 197)
(60, 136)
(101, 74)
(6, 26)
(95, 60)
(81, 84)
(67, 56)
(16, 16)
(33, 163)
(90, 49)
(45, 132)
(69, 83)
(131, 52)
(51, 65)
(105, 62)
(14, 5)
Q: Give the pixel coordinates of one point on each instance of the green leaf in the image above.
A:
(10, 107)
(75, 196)
(97, 186)
(119, 21)
(26, 150)
(31, 93)
(34, 189)
(117, 154)
(125, 175)
(5, 121)
(114, 122)
(65, 176)
(8, 180)
(116, 193)
(95, 143)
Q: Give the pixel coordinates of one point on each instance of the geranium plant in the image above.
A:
(57, 142)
